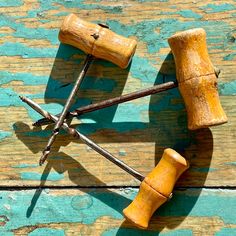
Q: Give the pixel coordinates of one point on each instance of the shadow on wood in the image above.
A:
(76, 174)
(167, 127)
(198, 152)
(102, 79)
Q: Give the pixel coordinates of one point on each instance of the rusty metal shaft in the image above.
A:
(85, 139)
(112, 101)
(66, 108)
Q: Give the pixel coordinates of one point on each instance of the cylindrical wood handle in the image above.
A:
(97, 40)
(197, 80)
(156, 188)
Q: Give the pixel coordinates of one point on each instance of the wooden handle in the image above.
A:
(156, 188)
(197, 80)
(97, 40)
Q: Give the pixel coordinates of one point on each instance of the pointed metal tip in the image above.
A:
(40, 162)
(36, 124)
(44, 157)
(22, 98)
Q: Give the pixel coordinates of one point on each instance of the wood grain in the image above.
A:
(156, 188)
(197, 79)
(99, 212)
(34, 64)
(97, 40)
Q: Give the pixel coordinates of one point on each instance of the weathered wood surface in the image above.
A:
(88, 212)
(33, 63)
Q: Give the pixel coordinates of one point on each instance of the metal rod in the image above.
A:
(66, 108)
(113, 101)
(85, 139)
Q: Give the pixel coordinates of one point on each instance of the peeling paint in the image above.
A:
(47, 231)
(87, 207)
(5, 134)
(227, 88)
(189, 14)
(213, 8)
(52, 176)
(225, 232)
(26, 165)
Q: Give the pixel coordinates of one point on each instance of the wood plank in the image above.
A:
(99, 212)
(32, 63)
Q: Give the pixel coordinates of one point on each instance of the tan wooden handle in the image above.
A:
(197, 80)
(156, 188)
(97, 40)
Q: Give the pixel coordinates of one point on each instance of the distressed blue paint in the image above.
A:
(145, 30)
(5, 134)
(82, 202)
(128, 112)
(9, 234)
(101, 84)
(122, 152)
(228, 88)
(142, 69)
(178, 232)
(213, 8)
(82, 4)
(47, 232)
(203, 169)
(52, 209)
(26, 166)
(138, 232)
(19, 49)
(131, 116)
(120, 127)
(41, 133)
(230, 163)
(53, 108)
(153, 0)
(52, 176)
(11, 3)
(23, 32)
(66, 51)
(26, 78)
(189, 14)
(9, 98)
(87, 120)
(62, 13)
(146, 73)
(229, 57)
(56, 89)
(88, 207)
(226, 232)
(208, 205)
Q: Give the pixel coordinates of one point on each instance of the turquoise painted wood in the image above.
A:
(99, 212)
(34, 64)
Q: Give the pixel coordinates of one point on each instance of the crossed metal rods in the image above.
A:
(49, 118)
(75, 133)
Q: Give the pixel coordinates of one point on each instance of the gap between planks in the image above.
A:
(19, 188)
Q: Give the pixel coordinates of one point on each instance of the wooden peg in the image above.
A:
(197, 79)
(97, 40)
(156, 188)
